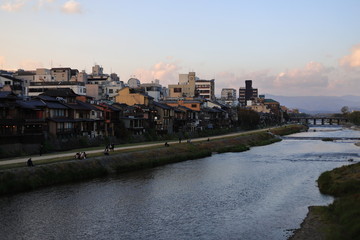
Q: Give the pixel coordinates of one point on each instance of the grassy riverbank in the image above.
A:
(342, 216)
(28, 178)
(341, 219)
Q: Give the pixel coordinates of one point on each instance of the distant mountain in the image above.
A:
(318, 104)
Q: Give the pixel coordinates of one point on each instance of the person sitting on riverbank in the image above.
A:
(166, 144)
(82, 155)
(106, 151)
(29, 163)
(111, 147)
(77, 155)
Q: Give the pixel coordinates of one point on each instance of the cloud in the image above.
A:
(312, 75)
(351, 61)
(72, 7)
(166, 72)
(44, 4)
(13, 6)
(69, 7)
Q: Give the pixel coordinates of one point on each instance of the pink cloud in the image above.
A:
(312, 75)
(13, 6)
(167, 73)
(72, 7)
(351, 61)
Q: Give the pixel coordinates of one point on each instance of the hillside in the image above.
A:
(318, 104)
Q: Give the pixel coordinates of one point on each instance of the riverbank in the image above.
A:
(29, 178)
(341, 219)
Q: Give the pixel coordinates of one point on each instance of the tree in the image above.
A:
(345, 110)
(354, 117)
(248, 119)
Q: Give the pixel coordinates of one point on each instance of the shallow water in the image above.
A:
(263, 193)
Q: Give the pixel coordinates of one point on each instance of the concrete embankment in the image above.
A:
(29, 178)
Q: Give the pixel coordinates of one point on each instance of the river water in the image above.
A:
(262, 193)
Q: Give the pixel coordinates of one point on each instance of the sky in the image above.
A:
(288, 48)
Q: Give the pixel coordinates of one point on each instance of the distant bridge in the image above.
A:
(322, 120)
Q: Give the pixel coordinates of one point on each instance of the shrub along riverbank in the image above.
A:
(29, 178)
(343, 215)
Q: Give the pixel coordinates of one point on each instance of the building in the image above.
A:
(185, 87)
(154, 89)
(43, 75)
(132, 96)
(9, 83)
(190, 86)
(190, 103)
(97, 71)
(102, 86)
(134, 83)
(37, 88)
(228, 96)
(62, 74)
(247, 93)
(205, 89)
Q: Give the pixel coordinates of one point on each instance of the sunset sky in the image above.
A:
(290, 48)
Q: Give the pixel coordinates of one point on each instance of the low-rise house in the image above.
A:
(132, 118)
(68, 116)
(164, 119)
(20, 121)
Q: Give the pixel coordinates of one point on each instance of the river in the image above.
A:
(262, 193)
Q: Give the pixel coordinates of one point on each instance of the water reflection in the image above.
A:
(258, 194)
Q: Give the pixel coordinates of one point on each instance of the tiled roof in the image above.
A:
(161, 105)
(7, 94)
(32, 104)
(56, 105)
(46, 98)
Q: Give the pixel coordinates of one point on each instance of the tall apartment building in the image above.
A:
(228, 94)
(247, 93)
(228, 97)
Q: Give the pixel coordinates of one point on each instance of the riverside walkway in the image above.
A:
(35, 158)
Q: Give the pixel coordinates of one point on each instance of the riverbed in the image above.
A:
(262, 193)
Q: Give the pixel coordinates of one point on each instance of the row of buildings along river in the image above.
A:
(63, 103)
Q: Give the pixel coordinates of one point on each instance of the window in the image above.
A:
(177, 90)
(7, 82)
(193, 105)
(111, 90)
(58, 113)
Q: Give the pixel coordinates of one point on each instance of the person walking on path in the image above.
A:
(41, 149)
